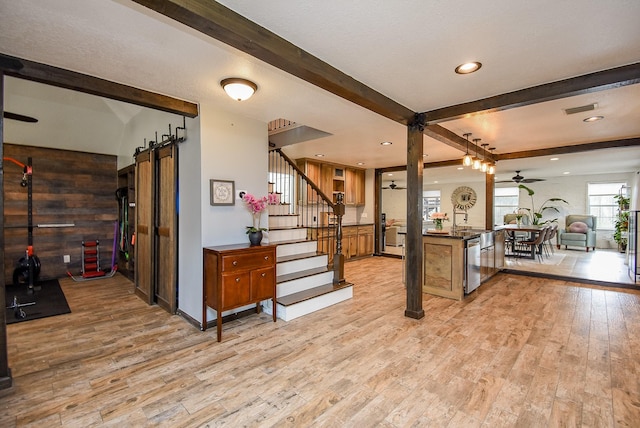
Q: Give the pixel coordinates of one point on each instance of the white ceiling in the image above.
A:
(405, 49)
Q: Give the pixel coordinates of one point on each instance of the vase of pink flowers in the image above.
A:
(256, 207)
(438, 218)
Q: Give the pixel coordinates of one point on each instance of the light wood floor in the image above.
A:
(521, 352)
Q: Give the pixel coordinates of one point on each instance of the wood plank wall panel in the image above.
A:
(166, 260)
(68, 187)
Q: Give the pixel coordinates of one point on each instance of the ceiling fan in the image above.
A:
(520, 179)
(19, 117)
(394, 186)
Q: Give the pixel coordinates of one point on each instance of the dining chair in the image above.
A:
(536, 243)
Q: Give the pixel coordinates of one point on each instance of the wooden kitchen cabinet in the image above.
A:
(365, 240)
(236, 276)
(333, 179)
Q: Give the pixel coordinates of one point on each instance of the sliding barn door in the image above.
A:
(144, 225)
(165, 231)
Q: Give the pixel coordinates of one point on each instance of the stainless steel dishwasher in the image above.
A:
(472, 265)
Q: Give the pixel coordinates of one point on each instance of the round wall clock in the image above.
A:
(463, 198)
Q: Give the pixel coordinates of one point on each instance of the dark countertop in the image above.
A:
(464, 234)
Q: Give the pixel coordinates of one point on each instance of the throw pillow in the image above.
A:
(578, 227)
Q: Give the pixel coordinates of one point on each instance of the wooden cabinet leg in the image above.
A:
(219, 324)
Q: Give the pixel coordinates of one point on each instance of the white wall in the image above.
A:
(232, 148)
(573, 189)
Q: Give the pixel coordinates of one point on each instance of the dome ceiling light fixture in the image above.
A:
(468, 67)
(239, 89)
(593, 119)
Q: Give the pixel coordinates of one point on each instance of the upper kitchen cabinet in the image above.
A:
(335, 179)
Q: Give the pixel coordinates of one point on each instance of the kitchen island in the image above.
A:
(457, 262)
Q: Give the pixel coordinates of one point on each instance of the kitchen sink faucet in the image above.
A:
(455, 213)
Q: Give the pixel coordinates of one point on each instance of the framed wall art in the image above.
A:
(222, 192)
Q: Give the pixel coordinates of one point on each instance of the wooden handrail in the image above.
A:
(307, 179)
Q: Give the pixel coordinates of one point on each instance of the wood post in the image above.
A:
(413, 239)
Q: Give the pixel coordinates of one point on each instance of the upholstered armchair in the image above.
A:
(580, 231)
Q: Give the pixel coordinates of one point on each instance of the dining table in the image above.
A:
(532, 229)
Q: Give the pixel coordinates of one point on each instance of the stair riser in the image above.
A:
(302, 264)
(287, 235)
(279, 209)
(283, 221)
(302, 284)
(288, 313)
(296, 248)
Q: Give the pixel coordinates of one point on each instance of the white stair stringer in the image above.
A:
(295, 310)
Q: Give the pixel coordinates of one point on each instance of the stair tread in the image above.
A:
(301, 296)
(287, 228)
(300, 256)
(290, 241)
(301, 274)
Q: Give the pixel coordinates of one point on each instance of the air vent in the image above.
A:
(581, 109)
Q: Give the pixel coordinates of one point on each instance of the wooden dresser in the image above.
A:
(235, 276)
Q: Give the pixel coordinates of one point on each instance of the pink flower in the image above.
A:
(439, 216)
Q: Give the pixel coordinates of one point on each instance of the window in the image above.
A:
(430, 203)
(601, 203)
(505, 201)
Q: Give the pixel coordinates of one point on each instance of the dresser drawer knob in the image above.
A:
(266, 257)
(235, 263)
(264, 274)
(237, 279)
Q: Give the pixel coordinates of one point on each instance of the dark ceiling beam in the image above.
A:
(452, 139)
(223, 24)
(561, 150)
(578, 148)
(42, 73)
(593, 82)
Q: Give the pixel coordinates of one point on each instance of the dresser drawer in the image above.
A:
(237, 262)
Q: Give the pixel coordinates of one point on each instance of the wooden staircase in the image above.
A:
(305, 281)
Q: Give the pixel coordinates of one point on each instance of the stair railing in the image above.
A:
(319, 214)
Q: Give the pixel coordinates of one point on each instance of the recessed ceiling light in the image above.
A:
(435, 182)
(390, 174)
(319, 155)
(566, 173)
(554, 159)
(593, 119)
(460, 167)
(386, 143)
(468, 67)
(360, 163)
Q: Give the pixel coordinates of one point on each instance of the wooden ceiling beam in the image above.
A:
(593, 82)
(577, 148)
(42, 73)
(223, 24)
(452, 139)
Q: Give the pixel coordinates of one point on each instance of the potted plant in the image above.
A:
(623, 202)
(536, 215)
(620, 230)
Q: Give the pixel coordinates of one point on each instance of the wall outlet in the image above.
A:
(66, 258)
(365, 215)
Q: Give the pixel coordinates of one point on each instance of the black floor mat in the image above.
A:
(49, 301)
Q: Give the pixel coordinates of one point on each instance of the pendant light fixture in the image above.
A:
(485, 163)
(239, 89)
(492, 167)
(476, 162)
(467, 160)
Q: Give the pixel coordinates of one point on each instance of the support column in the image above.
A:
(413, 239)
(490, 181)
